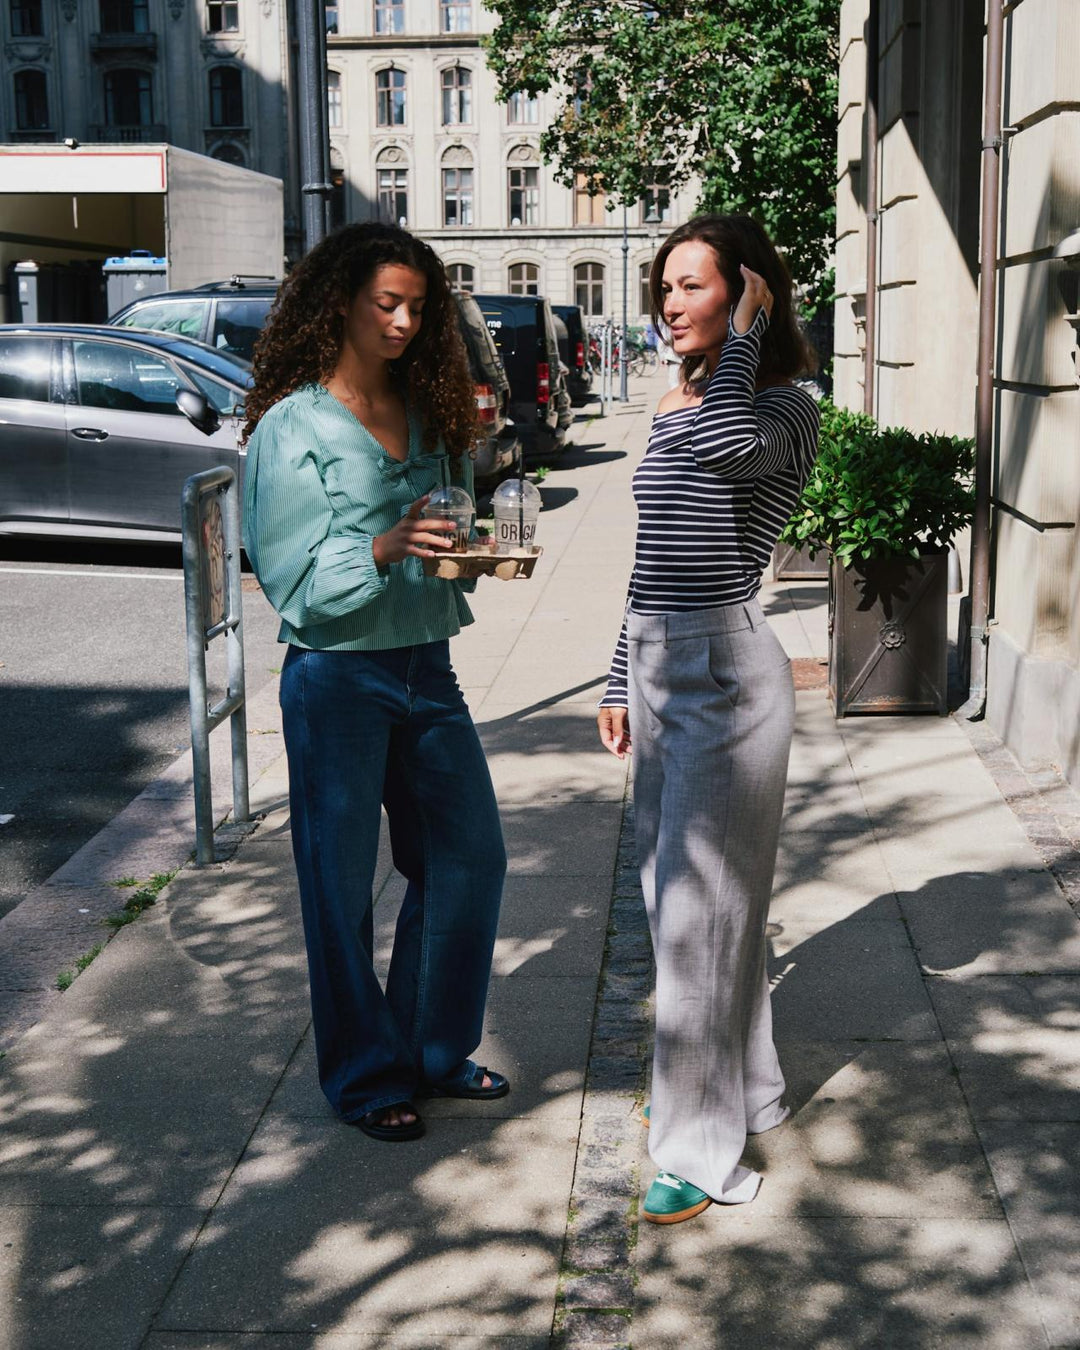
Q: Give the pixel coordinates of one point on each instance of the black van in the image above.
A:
(499, 447)
(575, 352)
(524, 333)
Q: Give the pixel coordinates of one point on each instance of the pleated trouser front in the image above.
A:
(712, 709)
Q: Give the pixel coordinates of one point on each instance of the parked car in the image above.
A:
(574, 349)
(500, 449)
(227, 315)
(524, 331)
(93, 439)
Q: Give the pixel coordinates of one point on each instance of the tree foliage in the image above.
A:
(740, 94)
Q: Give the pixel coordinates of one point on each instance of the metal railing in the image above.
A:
(210, 514)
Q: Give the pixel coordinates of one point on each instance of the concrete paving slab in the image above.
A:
(317, 1340)
(741, 1278)
(1036, 1168)
(456, 1234)
(971, 836)
(578, 840)
(885, 1134)
(1013, 1041)
(87, 1275)
(552, 755)
(822, 880)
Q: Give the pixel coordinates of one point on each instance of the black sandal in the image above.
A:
(375, 1127)
(472, 1089)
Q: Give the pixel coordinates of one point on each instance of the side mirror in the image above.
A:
(198, 411)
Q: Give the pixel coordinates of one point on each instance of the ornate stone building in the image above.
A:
(417, 135)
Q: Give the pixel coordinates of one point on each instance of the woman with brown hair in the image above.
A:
(707, 691)
(362, 405)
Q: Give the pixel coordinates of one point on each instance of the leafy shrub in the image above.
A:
(876, 492)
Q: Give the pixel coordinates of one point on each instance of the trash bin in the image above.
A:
(131, 278)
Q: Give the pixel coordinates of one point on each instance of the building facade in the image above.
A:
(211, 76)
(928, 71)
(418, 136)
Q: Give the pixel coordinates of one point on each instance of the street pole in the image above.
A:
(314, 151)
(624, 397)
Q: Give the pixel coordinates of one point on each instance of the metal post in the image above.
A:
(984, 396)
(624, 354)
(314, 153)
(204, 717)
(871, 190)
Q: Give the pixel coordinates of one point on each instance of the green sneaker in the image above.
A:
(671, 1200)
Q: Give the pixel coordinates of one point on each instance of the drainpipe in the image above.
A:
(870, 354)
(311, 77)
(984, 398)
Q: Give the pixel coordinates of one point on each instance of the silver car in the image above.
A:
(100, 428)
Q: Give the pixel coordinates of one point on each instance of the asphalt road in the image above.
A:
(93, 690)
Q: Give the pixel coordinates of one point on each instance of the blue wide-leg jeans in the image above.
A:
(364, 729)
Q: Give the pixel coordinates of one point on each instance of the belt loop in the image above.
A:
(751, 619)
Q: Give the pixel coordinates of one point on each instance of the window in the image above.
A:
(644, 294)
(588, 210)
(524, 279)
(333, 98)
(656, 205)
(394, 196)
(229, 153)
(223, 16)
(523, 109)
(456, 96)
(237, 323)
(589, 288)
(226, 97)
(390, 98)
(27, 19)
(128, 100)
(457, 191)
(24, 368)
(582, 90)
(389, 16)
(184, 317)
(31, 100)
(456, 16)
(524, 195)
(331, 18)
(220, 396)
(462, 276)
(125, 16)
(114, 376)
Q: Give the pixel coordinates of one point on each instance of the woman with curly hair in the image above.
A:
(362, 405)
(701, 682)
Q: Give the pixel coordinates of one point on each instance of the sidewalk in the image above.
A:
(171, 1178)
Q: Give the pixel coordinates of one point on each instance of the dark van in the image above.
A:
(524, 333)
(498, 449)
(575, 352)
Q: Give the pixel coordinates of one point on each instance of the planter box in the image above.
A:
(888, 644)
(795, 564)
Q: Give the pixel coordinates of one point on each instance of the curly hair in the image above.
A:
(301, 343)
(740, 239)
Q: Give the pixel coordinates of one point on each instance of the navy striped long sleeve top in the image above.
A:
(716, 485)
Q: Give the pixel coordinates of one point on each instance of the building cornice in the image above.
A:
(402, 42)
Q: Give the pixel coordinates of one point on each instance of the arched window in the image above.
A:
(523, 186)
(31, 101)
(229, 153)
(524, 279)
(226, 97)
(392, 186)
(333, 98)
(589, 288)
(128, 98)
(457, 186)
(456, 96)
(27, 19)
(462, 276)
(390, 97)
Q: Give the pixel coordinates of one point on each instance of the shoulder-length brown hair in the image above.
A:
(734, 240)
(301, 342)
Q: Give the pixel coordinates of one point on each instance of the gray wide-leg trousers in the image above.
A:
(712, 707)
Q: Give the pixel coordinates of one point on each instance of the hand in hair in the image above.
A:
(412, 535)
(756, 295)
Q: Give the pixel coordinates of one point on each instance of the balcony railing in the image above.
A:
(149, 132)
(111, 44)
(30, 137)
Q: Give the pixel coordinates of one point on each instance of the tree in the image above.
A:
(741, 94)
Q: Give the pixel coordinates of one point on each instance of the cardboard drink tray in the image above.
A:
(483, 562)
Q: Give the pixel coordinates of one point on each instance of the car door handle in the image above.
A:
(90, 434)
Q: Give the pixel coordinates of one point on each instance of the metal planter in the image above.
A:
(795, 564)
(888, 646)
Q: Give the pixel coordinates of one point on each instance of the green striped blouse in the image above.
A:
(318, 487)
